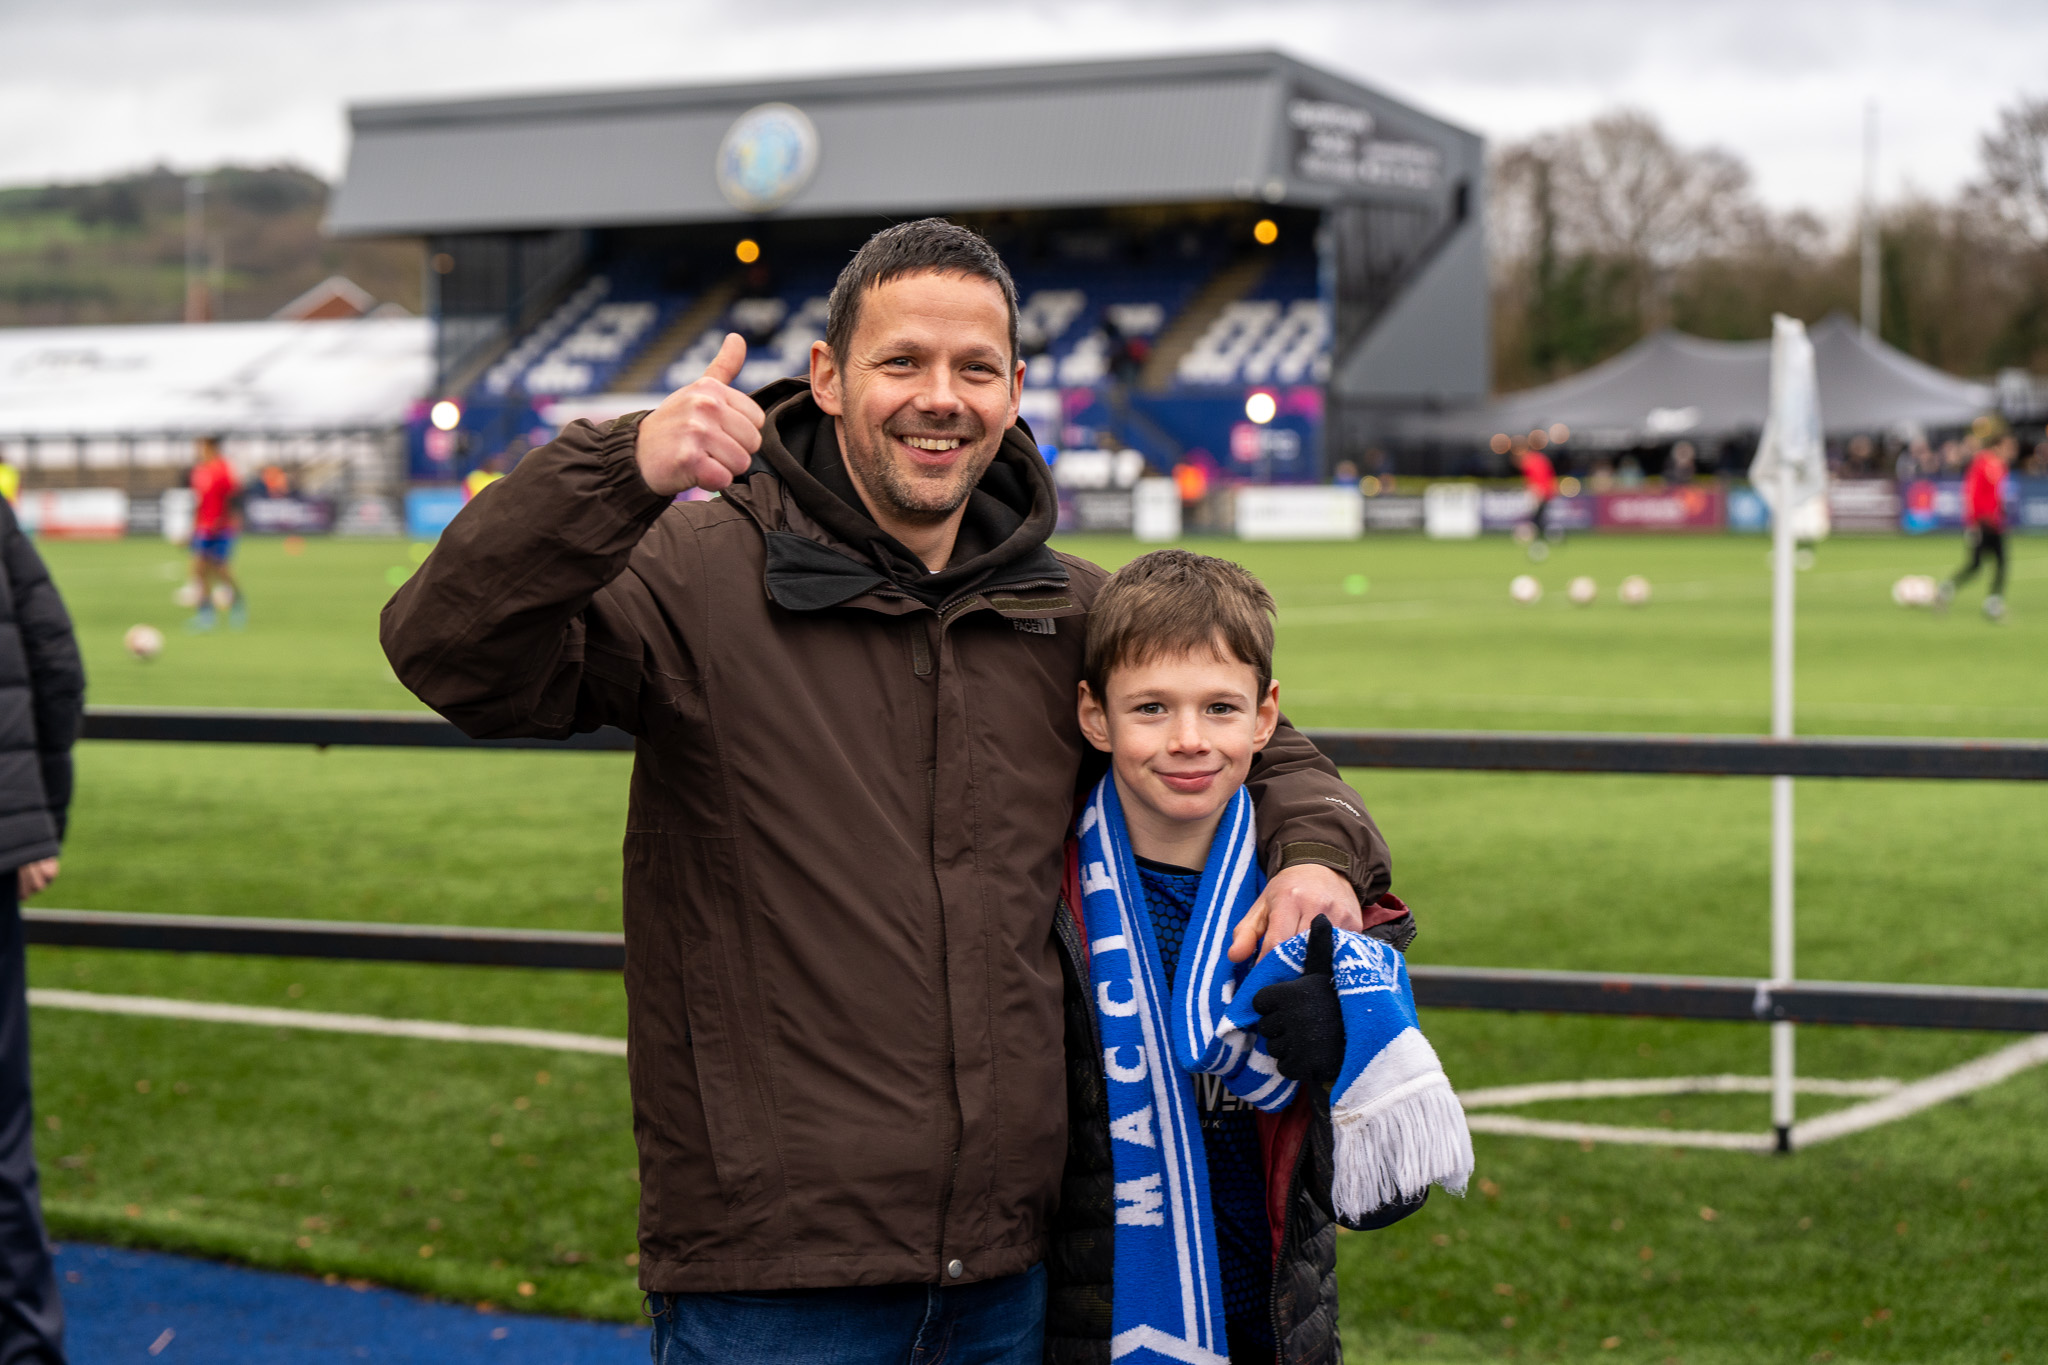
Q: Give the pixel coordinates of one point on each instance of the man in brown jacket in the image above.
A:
(852, 677)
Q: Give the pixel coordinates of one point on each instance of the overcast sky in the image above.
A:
(89, 87)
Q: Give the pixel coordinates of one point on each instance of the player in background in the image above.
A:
(482, 477)
(1984, 513)
(216, 521)
(1539, 476)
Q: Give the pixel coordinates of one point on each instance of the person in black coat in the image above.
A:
(42, 702)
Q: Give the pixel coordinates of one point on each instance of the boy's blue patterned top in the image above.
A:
(1230, 1141)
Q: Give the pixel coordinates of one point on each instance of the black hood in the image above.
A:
(1010, 514)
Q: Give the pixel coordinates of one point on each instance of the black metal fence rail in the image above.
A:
(1726, 999)
(1466, 750)
(322, 729)
(1670, 997)
(249, 936)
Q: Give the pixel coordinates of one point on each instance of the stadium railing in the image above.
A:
(1476, 988)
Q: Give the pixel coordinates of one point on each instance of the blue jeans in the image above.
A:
(995, 1322)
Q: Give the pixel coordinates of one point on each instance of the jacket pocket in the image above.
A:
(698, 943)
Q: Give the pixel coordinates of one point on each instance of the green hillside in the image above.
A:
(114, 251)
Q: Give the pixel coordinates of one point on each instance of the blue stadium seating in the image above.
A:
(1088, 315)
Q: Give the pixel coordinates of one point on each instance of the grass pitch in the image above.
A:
(478, 1172)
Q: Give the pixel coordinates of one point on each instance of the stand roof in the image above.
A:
(1245, 125)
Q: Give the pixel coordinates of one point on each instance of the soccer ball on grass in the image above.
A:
(144, 642)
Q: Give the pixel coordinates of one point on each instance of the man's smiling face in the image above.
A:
(924, 394)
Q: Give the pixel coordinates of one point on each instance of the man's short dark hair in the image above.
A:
(911, 249)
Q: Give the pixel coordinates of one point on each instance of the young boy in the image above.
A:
(1222, 1179)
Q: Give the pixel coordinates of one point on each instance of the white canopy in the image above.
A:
(1670, 385)
(225, 378)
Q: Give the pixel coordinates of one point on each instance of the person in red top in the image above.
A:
(216, 520)
(1984, 513)
(1539, 476)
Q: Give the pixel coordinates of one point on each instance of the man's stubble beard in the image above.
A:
(907, 496)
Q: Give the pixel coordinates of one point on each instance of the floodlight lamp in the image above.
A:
(1265, 232)
(446, 415)
(748, 251)
(1261, 407)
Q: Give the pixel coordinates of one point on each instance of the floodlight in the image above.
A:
(748, 250)
(1265, 232)
(446, 414)
(1261, 407)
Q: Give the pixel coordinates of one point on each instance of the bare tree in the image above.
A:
(1622, 189)
(1591, 225)
(1605, 230)
(2014, 185)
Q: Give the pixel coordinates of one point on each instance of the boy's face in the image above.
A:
(1180, 731)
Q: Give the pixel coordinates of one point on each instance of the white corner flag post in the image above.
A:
(1789, 471)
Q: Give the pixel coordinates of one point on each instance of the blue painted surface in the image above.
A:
(119, 1303)
(429, 510)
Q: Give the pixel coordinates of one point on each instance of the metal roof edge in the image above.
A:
(906, 83)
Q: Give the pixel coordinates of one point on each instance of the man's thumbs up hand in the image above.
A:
(703, 435)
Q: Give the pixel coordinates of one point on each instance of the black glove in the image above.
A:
(1300, 1019)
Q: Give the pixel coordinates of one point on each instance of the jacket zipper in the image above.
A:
(1280, 1254)
(952, 1053)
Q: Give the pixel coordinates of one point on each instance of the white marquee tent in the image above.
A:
(229, 378)
(1669, 386)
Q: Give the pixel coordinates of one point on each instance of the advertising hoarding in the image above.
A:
(1868, 506)
(74, 513)
(1393, 512)
(1300, 512)
(429, 510)
(288, 516)
(1694, 507)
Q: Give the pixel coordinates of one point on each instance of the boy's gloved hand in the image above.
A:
(1300, 1019)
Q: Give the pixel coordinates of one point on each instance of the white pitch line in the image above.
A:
(1601, 1132)
(1508, 1096)
(156, 1007)
(1926, 1092)
(1896, 1101)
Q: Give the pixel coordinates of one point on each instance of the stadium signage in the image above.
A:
(1870, 505)
(769, 154)
(288, 516)
(1692, 508)
(1334, 144)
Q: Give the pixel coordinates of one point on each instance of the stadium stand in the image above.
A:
(1208, 227)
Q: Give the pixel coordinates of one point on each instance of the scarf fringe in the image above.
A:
(1397, 1151)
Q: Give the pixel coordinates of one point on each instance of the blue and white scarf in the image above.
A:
(1399, 1127)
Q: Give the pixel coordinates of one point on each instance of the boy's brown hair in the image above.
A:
(1172, 602)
